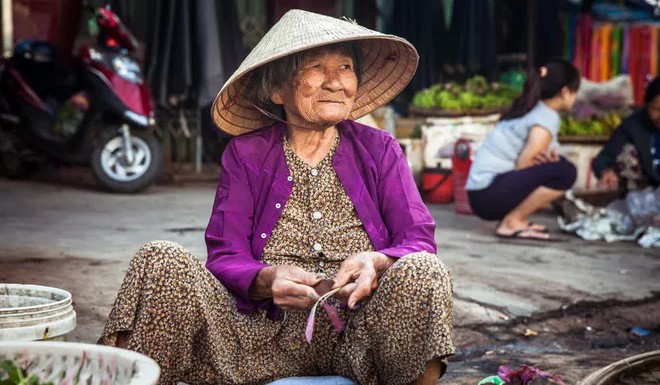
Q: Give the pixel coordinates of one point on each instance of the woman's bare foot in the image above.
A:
(432, 374)
(513, 228)
(537, 227)
(121, 340)
(509, 226)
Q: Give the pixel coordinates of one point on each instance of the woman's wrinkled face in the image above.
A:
(322, 93)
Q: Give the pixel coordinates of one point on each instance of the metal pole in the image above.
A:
(7, 28)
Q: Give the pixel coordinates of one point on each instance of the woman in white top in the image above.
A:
(517, 170)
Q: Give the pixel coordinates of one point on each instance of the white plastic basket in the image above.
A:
(70, 363)
(32, 312)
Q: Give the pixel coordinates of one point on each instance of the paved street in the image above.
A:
(79, 239)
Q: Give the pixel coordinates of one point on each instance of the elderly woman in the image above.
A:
(308, 201)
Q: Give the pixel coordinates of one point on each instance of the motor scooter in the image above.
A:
(98, 112)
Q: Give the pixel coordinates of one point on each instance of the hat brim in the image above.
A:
(388, 64)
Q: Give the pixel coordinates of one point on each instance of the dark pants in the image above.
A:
(509, 189)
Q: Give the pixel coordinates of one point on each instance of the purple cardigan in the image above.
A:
(255, 184)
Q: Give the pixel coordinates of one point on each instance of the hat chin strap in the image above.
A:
(278, 119)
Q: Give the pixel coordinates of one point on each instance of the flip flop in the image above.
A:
(520, 235)
(530, 225)
(541, 228)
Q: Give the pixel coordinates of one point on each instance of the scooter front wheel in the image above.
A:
(122, 171)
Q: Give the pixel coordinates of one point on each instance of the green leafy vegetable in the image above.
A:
(476, 93)
(596, 125)
(11, 374)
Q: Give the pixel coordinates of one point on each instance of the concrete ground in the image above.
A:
(74, 237)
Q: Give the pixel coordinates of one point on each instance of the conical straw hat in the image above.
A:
(388, 64)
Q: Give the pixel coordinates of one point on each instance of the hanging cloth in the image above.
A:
(565, 52)
(220, 47)
(408, 17)
(448, 7)
(472, 37)
(180, 82)
(595, 54)
(547, 31)
(653, 49)
(211, 72)
(646, 59)
(605, 52)
(579, 59)
(572, 26)
(633, 66)
(568, 36)
(635, 63)
(586, 42)
(625, 54)
(615, 51)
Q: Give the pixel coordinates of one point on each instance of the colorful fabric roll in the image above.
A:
(605, 52)
(651, 55)
(625, 57)
(615, 51)
(602, 50)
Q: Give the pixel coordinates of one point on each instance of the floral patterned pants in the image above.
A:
(175, 311)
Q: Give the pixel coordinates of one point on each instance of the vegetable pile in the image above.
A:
(476, 93)
(597, 115)
(11, 374)
(595, 125)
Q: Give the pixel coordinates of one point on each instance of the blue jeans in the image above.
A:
(327, 380)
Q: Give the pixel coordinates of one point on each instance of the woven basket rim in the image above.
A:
(610, 373)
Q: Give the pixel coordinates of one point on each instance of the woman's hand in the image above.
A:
(359, 274)
(609, 180)
(546, 157)
(290, 287)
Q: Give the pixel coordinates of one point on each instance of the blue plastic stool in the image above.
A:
(327, 380)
